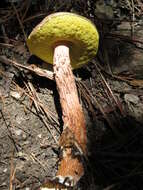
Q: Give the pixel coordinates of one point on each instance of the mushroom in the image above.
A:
(67, 41)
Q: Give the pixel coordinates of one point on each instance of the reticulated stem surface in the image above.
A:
(74, 131)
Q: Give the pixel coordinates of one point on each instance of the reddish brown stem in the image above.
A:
(74, 131)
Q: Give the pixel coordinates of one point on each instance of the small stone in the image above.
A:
(5, 170)
(24, 137)
(18, 132)
(3, 184)
(20, 154)
(19, 118)
(39, 136)
(131, 98)
(27, 188)
(15, 95)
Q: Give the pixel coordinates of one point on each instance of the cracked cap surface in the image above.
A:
(75, 31)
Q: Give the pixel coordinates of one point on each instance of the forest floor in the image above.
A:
(110, 88)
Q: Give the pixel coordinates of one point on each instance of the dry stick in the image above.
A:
(48, 113)
(140, 4)
(20, 23)
(22, 184)
(32, 68)
(33, 17)
(6, 45)
(131, 81)
(9, 131)
(39, 110)
(37, 160)
(86, 97)
(126, 38)
(101, 110)
(110, 187)
(12, 173)
(39, 105)
(109, 89)
(133, 18)
(11, 13)
(73, 117)
(26, 10)
(6, 39)
(107, 58)
(47, 126)
(32, 92)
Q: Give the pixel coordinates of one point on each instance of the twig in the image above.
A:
(11, 13)
(34, 94)
(140, 164)
(12, 173)
(26, 10)
(38, 101)
(48, 113)
(110, 187)
(6, 39)
(110, 91)
(140, 4)
(9, 131)
(47, 126)
(84, 95)
(6, 45)
(35, 16)
(133, 18)
(20, 23)
(32, 68)
(126, 38)
(101, 110)
(107, 58)
(38, 161)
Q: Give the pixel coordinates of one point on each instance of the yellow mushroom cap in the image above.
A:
(63, 28)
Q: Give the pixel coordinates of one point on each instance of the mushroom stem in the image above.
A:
(74, 131)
